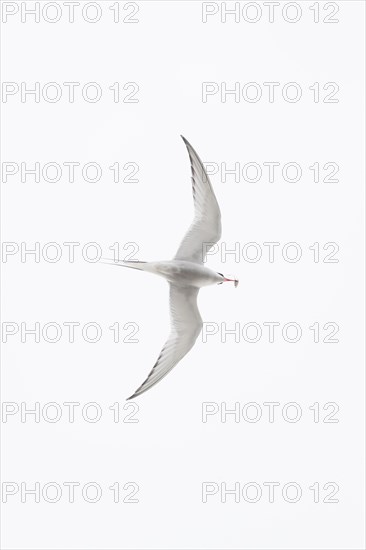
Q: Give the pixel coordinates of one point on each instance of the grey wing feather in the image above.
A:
(206, 225)
(186, 324)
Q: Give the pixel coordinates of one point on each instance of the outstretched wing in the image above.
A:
(186, 324)
(206, 225)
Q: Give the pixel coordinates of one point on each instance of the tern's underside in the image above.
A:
(186, 274)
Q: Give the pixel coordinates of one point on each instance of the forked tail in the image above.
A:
(133, 264)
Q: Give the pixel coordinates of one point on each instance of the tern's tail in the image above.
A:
(133, 264)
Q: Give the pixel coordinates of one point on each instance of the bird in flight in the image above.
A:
(186, 274)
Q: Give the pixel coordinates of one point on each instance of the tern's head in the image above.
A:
(227, 280)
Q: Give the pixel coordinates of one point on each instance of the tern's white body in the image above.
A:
(186, 274)
(181, 272)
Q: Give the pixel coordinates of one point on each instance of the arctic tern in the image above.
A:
(186, 274)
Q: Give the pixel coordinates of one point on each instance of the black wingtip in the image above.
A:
(131, 397)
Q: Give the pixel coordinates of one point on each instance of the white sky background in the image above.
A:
(170, 452)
